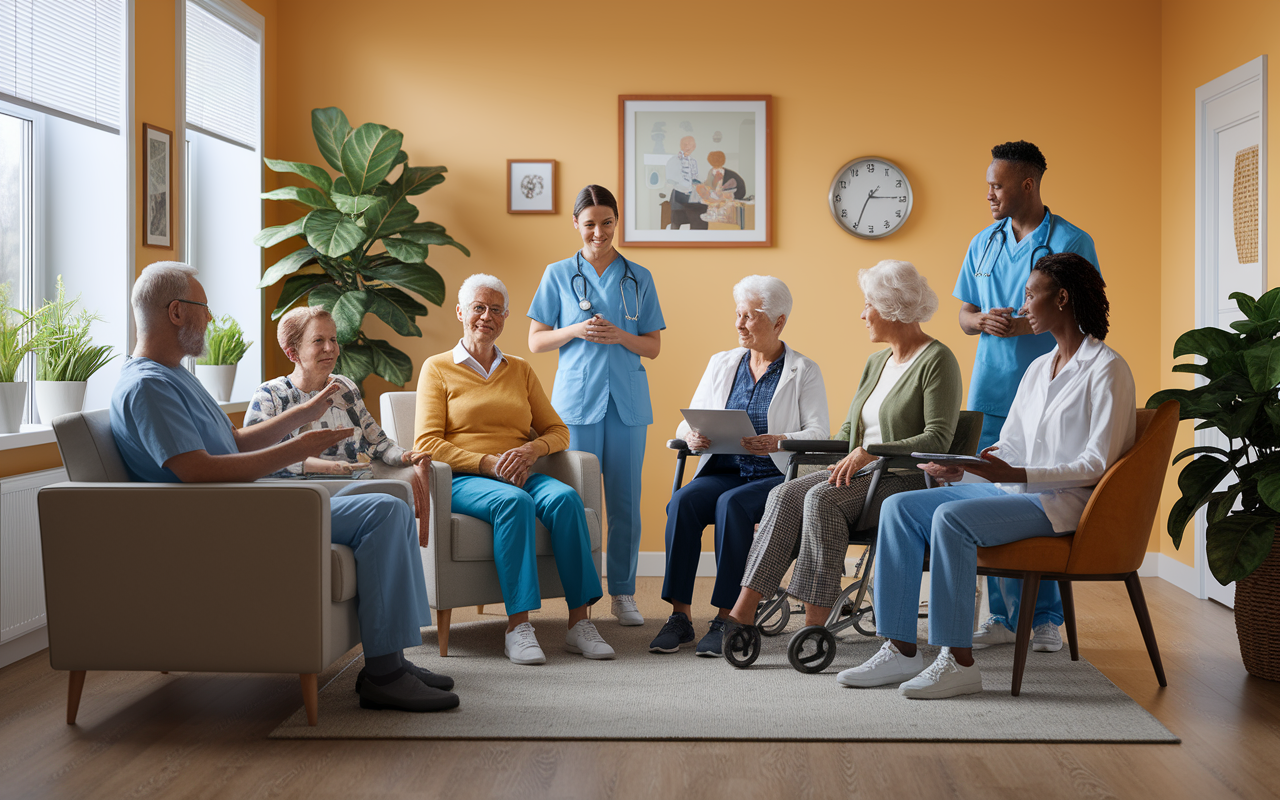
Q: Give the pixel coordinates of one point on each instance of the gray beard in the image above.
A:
(191, 339)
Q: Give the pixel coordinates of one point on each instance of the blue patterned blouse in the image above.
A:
(754, 397)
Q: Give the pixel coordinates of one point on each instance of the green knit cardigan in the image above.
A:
(920, 412)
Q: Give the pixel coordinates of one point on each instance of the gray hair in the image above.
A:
(156, 287)
(898, 291)
(467, 291)
(773, 294)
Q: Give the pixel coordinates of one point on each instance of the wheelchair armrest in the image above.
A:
(889, 449)
(840, 446)
(677, 444)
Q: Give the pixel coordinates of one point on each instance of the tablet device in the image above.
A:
(948, 458)
(725, 427)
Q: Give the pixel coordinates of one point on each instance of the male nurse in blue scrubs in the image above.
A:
(991, 288)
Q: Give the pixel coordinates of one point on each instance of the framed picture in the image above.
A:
(695, 170)
(157, 186)
(531, 186)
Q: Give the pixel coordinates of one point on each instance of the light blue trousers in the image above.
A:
(511, 511)
(952, 522)
(391, 599)
(620, 449)
(1004, 595)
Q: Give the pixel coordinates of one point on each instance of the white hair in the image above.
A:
(471, 286)
(898, 291)
(156, 287)
(773, 295)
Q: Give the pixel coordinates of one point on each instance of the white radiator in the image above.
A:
(21, 572)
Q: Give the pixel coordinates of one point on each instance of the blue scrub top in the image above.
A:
(159, 412)
(590, 373)
(999, 280)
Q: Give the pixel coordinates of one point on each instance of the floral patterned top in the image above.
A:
(348, 411)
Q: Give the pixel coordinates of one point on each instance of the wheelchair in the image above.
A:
(813, 648)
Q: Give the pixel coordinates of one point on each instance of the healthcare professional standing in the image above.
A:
(601, 312)
(990, 287)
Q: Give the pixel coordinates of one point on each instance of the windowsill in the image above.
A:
(234, 407)
(29, 436)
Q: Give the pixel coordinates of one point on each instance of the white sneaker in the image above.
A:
(1046, 638)
(624, 608)
(887, 666)
(943, 678)
(521, 646)
(992, 632)
(584, 639)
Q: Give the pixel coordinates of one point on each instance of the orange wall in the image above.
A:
(925, 84)
(1201, 42)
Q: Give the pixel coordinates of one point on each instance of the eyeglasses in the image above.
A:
(194, 303)
(478, 309)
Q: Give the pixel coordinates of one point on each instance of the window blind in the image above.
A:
(65, 57)
(223, 78)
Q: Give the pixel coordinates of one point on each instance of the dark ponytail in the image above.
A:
(594, 195)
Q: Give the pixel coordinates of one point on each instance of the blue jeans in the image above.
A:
(1004, 595)
(391, 590)
(952, 522)
(511, 511)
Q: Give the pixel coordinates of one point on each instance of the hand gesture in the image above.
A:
(762, 445)
(601, 331)
(942, 474)
(514, 464)
(842, 472)
(1001, 322)
(696, 441)
(317, 441)
(996, 470)
(413, 458)
(316, 406)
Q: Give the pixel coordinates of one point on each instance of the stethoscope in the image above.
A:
(1000, 229)
(627, 275)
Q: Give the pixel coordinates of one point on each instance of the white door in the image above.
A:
(1231, 143)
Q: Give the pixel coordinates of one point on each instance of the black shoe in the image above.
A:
(711, 645)
(404, 692)
(678, 630)
(432, 679)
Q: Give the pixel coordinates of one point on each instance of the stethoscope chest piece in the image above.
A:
(585, 305)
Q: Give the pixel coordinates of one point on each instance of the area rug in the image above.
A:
(642, 696)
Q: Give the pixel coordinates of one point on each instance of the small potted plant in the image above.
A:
(224, 347)
(66, 356)
(17, 338)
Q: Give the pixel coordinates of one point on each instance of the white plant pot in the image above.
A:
(55, 398)
(217, 379)
(13, 398)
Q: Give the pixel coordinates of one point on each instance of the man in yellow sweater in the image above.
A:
(476, 407)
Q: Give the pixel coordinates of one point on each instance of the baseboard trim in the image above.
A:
(653, 564)
(26, 644)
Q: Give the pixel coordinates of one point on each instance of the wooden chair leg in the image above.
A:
(75, 686)
(480, 609)
(1069, 617)
(1139, 601)
(442, 629)
(311, 696)
(1026, 616)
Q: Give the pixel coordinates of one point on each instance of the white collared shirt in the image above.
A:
(1067, 430)
(461, 356)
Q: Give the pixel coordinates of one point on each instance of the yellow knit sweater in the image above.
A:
(461, 417)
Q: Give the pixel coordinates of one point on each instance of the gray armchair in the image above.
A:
(214, 577)
(458, 558)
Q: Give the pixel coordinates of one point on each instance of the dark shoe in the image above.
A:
(432, 679)
(677, 631)
(405, 693)
(711, 644)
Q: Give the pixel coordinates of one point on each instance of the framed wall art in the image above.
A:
(531, 186)
(157, 186)
(695, 170)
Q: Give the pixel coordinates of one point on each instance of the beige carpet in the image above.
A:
(640, 695)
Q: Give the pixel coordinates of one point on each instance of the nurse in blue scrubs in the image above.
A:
(601, 311)
(991, 286)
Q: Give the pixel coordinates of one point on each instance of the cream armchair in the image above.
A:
(215, 577)
(458, 558)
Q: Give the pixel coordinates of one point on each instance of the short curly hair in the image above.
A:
(1085, 288)
(1026, 155)
(293, 326)
(898, 291)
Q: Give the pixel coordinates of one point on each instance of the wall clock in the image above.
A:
(870, 197)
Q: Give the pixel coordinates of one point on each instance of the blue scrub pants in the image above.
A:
(952, 522)
(735, 505)
(620, 449)
(391, 590)
(511, 511)
(1004, 595)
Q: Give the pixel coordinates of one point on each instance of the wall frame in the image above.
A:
(157, 186)
(531, 186)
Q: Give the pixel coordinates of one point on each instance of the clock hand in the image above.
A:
(870, 195)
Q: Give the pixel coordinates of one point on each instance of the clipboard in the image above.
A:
(725, 427)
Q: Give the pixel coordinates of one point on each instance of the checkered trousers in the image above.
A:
(818, 515)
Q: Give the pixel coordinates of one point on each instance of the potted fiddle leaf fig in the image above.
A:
(224, 346)
(18, 336)
(1239, 484)
(364, 249)
(66, 357)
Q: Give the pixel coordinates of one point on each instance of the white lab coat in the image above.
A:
(798, 409)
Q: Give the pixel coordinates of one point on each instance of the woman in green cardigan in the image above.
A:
(909, 396)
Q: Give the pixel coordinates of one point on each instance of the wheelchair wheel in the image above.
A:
(777, 620)
(812, 649)
(742, 647)
(865, 623)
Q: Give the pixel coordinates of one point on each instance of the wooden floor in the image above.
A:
(204, 736)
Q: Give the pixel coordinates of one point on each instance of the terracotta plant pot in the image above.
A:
(1258, 618)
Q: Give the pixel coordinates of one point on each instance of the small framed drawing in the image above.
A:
(157, 186)
(696, 170)
(531, 186)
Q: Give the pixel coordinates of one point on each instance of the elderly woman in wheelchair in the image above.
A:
(908, 399)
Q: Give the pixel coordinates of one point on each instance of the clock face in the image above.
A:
(870, 197)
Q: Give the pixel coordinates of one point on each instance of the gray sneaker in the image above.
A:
(677, 631)
(711, 645)
(1046, 638)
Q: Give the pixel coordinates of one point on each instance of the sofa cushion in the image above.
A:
(342, 568)
(473, 539)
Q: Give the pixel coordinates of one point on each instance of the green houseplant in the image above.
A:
(1240, 399)
(66, 356)
(224, 346)
(18, 336)
(350, 215)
